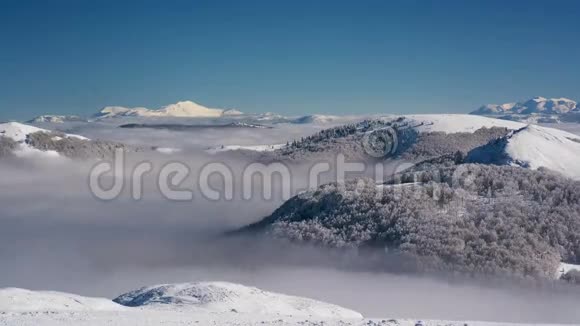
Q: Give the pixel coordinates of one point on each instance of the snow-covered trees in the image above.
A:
(473, 218)
(411, 144)
(74, 147)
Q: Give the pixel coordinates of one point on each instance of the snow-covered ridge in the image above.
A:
(196, 298)
(455, 123)
(534, 147)
(222, 297)
(421, 123)
(536, 105)
(182, 109)
(317, 118)
(256, 307)
(21, 300)
(18, 132)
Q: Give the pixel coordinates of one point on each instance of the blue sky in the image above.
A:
(291, 57)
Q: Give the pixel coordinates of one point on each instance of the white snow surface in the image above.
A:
(454, 123)
(541, 147)
(223, 297)
(210, 303)
(565, 268)
(18, 131)
(21, 300)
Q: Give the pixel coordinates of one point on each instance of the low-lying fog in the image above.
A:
(55, 235)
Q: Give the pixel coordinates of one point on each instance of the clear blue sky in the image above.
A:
(292, 57)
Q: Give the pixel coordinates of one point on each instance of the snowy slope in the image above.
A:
(21, 300)
(422, 123)
(534, 147)
(222, 297)
(183, 109)
(150, 318)
(18, 132)
(213, 303)
(454, 123)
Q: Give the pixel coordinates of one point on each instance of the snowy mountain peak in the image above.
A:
(187, 109)
(536, 105)
(182, 109)
(223, 297)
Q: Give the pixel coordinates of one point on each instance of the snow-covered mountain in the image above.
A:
(223, 297)
(183, 109)
(215, 303)
(21, 140)
(536, 105)
(317, 118)
(56, 119)
(534, 147)
(422, 137)
(18, 133)
(42, 308)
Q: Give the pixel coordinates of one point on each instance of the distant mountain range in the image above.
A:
(535, 110)
(191, 110)
(186, 109)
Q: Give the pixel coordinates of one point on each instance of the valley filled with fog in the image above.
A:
(57, 235)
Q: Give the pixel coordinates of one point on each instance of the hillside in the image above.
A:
(223, 297)
(25, 141)
(470, 218)
(533, 147)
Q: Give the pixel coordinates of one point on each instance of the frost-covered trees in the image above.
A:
(411, 144)
(74, 147)
(473, 218)
(7, 146)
